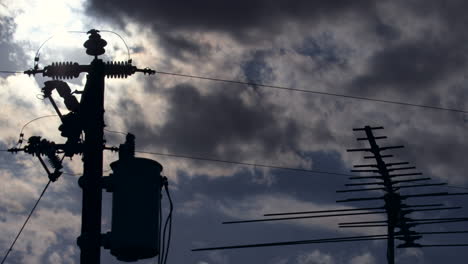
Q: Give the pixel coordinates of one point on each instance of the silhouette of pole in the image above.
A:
(92, 105)
(86, 117)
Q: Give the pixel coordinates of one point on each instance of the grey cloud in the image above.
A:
(218, 123)
(236, 17)
(180, 46)
(245, 21)
(411, 67)
(246, 183)
(417, 65)
(12, 57)
(256, 68)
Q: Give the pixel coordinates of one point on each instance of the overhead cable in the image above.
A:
(314, 92)
(25, 222)
(243, 163)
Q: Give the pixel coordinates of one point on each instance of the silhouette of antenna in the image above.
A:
(389, 178)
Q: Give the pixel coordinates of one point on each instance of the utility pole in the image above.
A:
(92, 105)
(91, 121)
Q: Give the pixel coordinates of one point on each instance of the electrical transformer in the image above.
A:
(136, 188)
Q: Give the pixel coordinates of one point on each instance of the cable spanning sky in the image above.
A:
(407, 51)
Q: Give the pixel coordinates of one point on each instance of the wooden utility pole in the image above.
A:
(90, 117)
(92, 105)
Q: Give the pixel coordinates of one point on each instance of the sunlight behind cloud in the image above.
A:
(36, 18)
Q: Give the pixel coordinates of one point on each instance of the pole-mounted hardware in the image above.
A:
(94, 47)
(41, 147)
(135, 234)
(135, 184)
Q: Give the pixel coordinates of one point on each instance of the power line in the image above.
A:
(25, 222)
(36, 57)
(115, 132)
(79, 174)
(11, 72)
(20, 140)
(35, 119)
(123, 40)
(302, 91)
(243, 163)
(457, 187)
(314, 92)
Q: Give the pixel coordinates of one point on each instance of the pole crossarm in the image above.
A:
(70, 70)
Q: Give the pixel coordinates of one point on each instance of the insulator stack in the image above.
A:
(54, 161)
(95, 44)
(70, 70)
(119, 69)
(62, 70)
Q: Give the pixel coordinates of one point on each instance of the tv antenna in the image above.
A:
(392, 179)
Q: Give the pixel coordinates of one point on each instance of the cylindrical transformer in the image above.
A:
(136, 187)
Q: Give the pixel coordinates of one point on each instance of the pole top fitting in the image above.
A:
(95, 44)
(127, 150)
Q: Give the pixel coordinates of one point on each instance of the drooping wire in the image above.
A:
(169, 217)
(36, 57)
(237, 162)
(291, 89)
(162, 236)
(115, 132)
(21, 135)
(123, 40)
(25, 222)
(164, 252)
(12, 72)
(79, 174)
(159, 230)
(314, 92)
(457, 187)
(244, 163)
(35, 119)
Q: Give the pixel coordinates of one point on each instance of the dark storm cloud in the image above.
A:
(437, 149)
(256, 69)
(180, 46)
(246, 184)
(410, 67)
(236, 17)
(218, 123)
(417, 65)
(246, 21)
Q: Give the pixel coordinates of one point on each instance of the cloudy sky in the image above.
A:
(410, 51)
